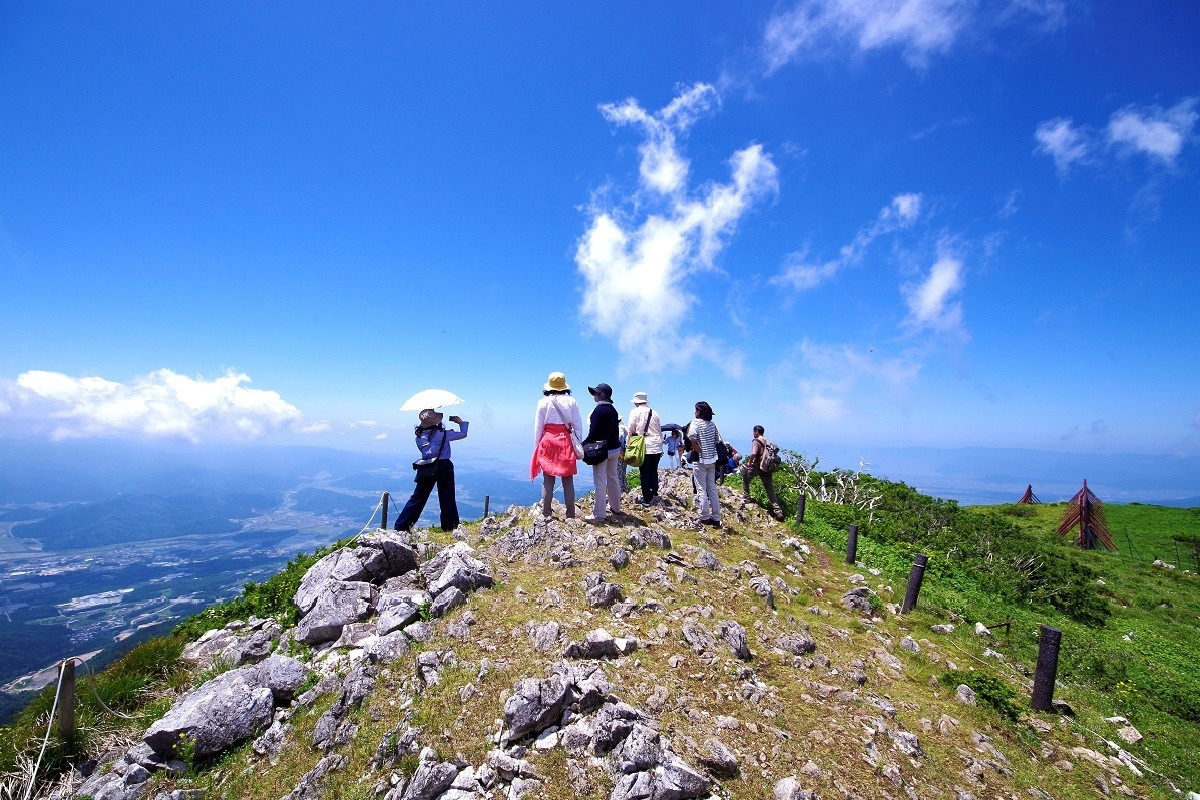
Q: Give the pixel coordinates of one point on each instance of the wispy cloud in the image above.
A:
(932, 303)
(163, 404)
(1154, 131)
(920, 29)
(1157, 133)
(1062, 141)
(800, 273)
(824, 378)
(641, 253)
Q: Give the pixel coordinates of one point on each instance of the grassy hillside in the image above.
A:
(1131, 639)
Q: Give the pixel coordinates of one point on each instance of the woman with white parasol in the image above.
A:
(433, 440)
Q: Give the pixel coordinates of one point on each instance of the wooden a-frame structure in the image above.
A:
(1029, 497)
(1087, 512)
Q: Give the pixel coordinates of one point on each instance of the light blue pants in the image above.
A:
(607, 477)
(706, 491)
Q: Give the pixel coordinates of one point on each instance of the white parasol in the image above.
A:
(431, 398)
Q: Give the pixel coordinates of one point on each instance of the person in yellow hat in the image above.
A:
(555, 421)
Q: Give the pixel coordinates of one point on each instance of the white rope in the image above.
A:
(92, 675)
(49, 727)
(367, 527)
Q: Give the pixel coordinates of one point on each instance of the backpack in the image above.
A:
(769, 461)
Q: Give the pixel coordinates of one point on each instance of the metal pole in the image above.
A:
(852, 545)
(384, 502)
(800, 507)
(487, 501)
(66, 702)
(915, 576)
(1047, 668)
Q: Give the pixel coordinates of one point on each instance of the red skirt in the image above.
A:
(554, 454)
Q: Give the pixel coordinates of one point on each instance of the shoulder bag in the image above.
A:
(635, 447)
(426, 468)
(576, 445)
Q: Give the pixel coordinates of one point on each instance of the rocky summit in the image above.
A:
(648, 657)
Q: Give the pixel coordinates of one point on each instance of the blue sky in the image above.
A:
(918, 222)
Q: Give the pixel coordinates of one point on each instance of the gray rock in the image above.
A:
(599, 644)
(707, 560)
(619, 559)
(942, 629)
(399, 607)
(907, 743)
(858, 600)
(386, 649)
(719, 759)
(612, 723)
(283, 675)
(797, 644)
(534, 705)
(419, 631)
(340, 565)
(451, 598)
(354, 634)
(604, 595)
(430, 780)
(762, 587)
(226, 710)
(698, 637)
(335, 604)
(457, 566)
(638, 751)
(310, 785)
(545, 636)
(735, 636)
(965, 694)
(790, 789)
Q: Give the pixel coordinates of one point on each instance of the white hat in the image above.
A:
(640, 397)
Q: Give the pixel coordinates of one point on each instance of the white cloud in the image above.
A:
(1154, 131)
(380, 436)
(662, 168)
(799, 274)
(931, 303)
(826, 377)
(320, 426)
(639, 267)
(919, 28)
(161, 404)
(1161, 134)
(1062, 141)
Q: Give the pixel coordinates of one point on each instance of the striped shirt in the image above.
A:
(705, 431)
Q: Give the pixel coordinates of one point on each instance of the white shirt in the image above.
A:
(653, 434)
(547, 414)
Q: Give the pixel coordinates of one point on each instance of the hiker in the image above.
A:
(622, 473)
(703, 436)
(433, 440)
(605, 426)
(671, 448)
(644, 421)
(760, 447)
(556, 420)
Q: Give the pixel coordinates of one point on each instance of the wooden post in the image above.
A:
(1047, 668)
(915, 577)
(487, 501)
(852, 545)
(66, 702)
(800, 508)
(384, 502)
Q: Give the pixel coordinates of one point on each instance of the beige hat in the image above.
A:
(557, 382)
(430, 418)
(639, 398)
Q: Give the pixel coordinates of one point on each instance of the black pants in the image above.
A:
(444, 480)
(767, 481)
(648, 472)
